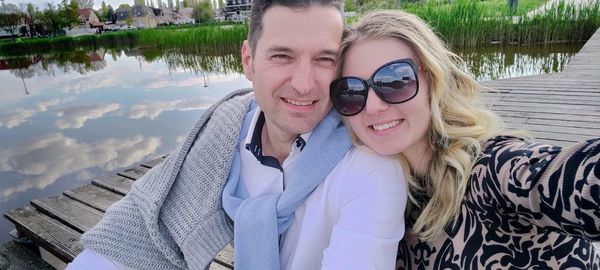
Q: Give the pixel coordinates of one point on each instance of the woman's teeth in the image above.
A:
(386, 125)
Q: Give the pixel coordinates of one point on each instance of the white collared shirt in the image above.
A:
(354, 219)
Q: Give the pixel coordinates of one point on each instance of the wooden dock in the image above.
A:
(558, 108)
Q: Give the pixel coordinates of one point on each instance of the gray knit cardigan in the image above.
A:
(173, 217)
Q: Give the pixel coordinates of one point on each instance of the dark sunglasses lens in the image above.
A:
(348, 96)
(396, 82)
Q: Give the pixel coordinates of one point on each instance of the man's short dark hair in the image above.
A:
(260, 7)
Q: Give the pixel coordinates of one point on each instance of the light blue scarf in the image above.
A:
(259, 221)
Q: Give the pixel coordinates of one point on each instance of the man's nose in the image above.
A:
(303, 77)
(375, 104)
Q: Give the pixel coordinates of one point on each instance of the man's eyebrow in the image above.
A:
(276, 49)
(330, 52)
(283, 49)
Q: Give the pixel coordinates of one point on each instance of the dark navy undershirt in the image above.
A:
(255, 145)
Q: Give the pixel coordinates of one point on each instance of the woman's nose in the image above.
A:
(375, 104)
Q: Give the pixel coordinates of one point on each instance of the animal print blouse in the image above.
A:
(528, 206)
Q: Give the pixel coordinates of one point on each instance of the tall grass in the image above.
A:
(226, 35)
(463, 23)
(466, 23)
(212, 35)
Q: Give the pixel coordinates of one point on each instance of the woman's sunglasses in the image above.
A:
(394, 82)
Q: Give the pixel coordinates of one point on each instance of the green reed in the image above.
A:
(467, 23)
(220, 35)
(462, 23)
(210, 35)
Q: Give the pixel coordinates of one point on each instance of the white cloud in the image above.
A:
(21, 115)
(14, 119)
(152, 109)
(180, 139)
(192, 81)
(44, 160)
(75, 117)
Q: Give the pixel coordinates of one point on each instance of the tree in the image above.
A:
(10, 18)
(31, 18)
(159, 3)
(69, 13)
(110, 14)
(85, 3)
(170, 3)
(186, 3)
(50, 18)
(203, 12)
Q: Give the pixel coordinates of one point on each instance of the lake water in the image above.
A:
(67, 118)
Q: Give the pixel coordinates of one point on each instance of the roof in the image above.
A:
(142, 11)
(85, 12)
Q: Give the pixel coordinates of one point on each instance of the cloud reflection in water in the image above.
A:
(44, 160)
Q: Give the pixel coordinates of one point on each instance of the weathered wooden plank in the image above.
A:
(503, 112)
(94, 196)
(153, 162)
(74, 214)
(15, 256)
(543, 89)
(134, 173)
(548, 97)
(551, 123)
(218, 266)
(564, 88)
(541, 92)
(115, 183)
(226, 256)
(563, 134)
(552, 81)
(52, 235)
(583, 131)
(587, 113)
(542, 106)
(537, 99)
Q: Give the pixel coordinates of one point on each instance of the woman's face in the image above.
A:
(386, 128)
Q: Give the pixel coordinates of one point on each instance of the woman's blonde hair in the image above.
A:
(459, 122)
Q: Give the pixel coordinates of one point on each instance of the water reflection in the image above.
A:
(68, 117)
(44, 159)
(508, 61)
(224, 60)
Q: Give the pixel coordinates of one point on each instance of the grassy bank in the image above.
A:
(463, 23)
(468, 24)
(211, 35)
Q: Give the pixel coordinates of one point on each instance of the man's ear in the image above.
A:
(247, 60)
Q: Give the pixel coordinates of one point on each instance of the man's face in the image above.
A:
(293, 64)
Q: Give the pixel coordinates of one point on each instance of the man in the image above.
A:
(275, 162)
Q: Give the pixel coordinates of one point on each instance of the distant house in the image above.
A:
(89, 24)
(184, 16)
(88, 18)
(144, 17)
(123, 14)
(237, 9)
(168, 16)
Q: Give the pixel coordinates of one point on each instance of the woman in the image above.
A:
(479, 200)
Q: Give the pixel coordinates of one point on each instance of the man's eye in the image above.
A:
(327, 60)
(281, 57)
